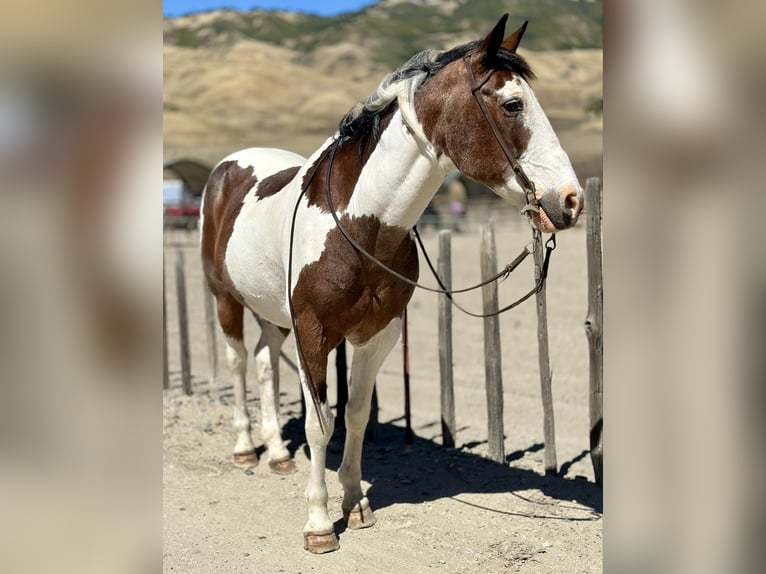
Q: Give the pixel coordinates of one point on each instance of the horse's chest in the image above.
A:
(351, 296)
(378, 304)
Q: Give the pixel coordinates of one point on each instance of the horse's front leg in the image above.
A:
(367, 360)
(318, 533)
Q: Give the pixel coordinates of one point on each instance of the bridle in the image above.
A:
(532, 205)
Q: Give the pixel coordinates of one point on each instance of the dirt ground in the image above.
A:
(438, 509)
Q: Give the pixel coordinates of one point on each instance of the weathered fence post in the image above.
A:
(594, 323)
(212, 348)
(183, 323)
(492, 360)
(406, 357)
(341, 368)
(371, 433)
(445, 340)
(549, 427)
(165, 374)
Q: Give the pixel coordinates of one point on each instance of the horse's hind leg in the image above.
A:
(230, 317)
(267, 373)
(366, 362)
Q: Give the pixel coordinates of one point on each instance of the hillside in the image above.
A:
(284, 80)
(392, 30)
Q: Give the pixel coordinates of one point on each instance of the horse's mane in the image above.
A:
(362, 122)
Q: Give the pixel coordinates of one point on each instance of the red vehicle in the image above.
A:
(182, 192)
(181, 209)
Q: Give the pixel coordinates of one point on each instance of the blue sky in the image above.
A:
(325, 8)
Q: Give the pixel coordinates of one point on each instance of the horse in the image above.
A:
(284, 236)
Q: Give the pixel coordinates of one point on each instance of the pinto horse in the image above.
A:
(276, 229)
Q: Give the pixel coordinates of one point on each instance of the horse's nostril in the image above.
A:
(571, 201)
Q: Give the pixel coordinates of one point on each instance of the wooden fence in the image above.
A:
(492, 346)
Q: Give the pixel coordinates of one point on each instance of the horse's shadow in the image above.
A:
(425, 471)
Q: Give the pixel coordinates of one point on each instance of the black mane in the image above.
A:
(363, 125)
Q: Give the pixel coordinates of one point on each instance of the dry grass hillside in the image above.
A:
(220, 98)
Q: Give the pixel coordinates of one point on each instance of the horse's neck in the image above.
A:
(398, 180)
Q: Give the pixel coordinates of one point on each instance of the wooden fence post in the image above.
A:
(445, 340)
(406, 356)
(341, 368)
(549, 428)
(212, 348)
(594, 323)
(183, 323)
(492, 359)
(165, 373)
(371, 433)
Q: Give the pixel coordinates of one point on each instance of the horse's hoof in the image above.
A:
(361, 516)
(320, 543)
(286, 466)
(245, 459)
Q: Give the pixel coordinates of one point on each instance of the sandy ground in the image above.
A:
(438, 509)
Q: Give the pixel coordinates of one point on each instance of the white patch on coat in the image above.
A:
(257, 253)
(398, 180)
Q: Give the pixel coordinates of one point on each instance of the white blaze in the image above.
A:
(544, 161)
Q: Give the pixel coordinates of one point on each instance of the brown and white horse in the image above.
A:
(270, 242)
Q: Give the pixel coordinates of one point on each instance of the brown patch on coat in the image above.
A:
(343, 294)
(347, 164)
(455, 125)
(226, 188)
(275, 183)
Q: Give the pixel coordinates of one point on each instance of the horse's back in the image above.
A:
(252, 170)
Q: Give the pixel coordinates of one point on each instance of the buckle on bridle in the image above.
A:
(530, 207)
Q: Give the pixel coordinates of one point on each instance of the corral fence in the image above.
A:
(493, 373)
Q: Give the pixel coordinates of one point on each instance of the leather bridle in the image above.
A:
(533, 204)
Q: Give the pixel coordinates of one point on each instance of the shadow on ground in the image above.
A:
(426, 471)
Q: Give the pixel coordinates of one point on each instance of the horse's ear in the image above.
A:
(491, 44)
(512, 41)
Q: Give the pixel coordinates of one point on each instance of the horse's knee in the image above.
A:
(356, 417)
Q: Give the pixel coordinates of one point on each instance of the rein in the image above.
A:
(442, 290)
(550, 245)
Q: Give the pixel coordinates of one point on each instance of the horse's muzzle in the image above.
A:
(562, 205)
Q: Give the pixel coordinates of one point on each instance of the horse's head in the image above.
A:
(457, 128)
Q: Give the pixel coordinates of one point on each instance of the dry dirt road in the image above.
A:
(439, 510)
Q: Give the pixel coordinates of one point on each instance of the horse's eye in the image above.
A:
(513, 106)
